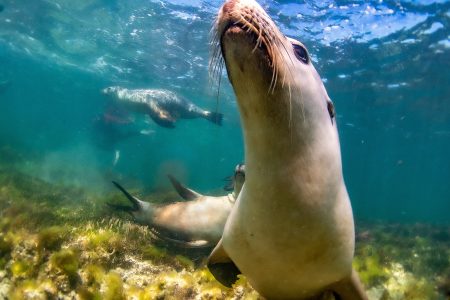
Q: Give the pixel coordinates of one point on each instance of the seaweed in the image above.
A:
(58, 242)
(66, 261)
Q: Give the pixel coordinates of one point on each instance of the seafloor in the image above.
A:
(62, 242)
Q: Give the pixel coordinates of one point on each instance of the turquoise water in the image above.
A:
(386, 65)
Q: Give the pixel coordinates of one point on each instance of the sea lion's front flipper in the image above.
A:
(162, 117)
(184, 192)
(181, 243)
(222, 267)
(349, 288)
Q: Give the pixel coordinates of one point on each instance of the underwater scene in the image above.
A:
(123, 145)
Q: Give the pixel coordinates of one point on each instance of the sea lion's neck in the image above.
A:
(282, 148)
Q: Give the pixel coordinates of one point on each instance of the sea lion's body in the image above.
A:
(198, 221)
(291, 230)
(162, 106)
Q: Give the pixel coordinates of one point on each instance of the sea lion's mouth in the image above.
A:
(245, 27)
(239, 31)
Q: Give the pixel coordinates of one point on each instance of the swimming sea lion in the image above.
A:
(163, 106)
(197, 222)
(291, 230)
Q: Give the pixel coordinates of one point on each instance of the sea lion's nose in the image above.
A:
(228, 6)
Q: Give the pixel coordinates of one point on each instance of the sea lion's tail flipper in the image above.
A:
(350, 288)
(135, 201)
(184, 192)
(222, 267)
(214, 117)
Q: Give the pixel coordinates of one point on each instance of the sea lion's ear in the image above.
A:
(222, 267)
(349, 288)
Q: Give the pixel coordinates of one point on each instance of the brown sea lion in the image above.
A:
(196, 222)
(162, 106)
(291, 231)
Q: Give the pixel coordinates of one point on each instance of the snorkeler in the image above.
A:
(112, 127)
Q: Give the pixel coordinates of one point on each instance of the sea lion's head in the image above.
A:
(115, 92)
(111, 90)
(272, 75)
(238, 178)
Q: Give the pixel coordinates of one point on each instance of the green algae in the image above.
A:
(6, 246)
(66, 261)
(60, 242)
(370, 269)
(51, 238)
(20, 268)
(150, 252)
(113, 287)
(185, 262)
(28, 289)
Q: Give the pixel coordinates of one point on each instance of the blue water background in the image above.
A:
(386, 65)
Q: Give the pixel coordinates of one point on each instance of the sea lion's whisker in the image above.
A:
(290, 108)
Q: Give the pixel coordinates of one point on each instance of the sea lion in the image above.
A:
(291, 230)
(162, 106)
(197, 222)
(238, 178)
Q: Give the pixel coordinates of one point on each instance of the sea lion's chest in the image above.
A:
(281, 230)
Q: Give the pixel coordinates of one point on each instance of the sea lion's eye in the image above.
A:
(301, 53)
(331, 110)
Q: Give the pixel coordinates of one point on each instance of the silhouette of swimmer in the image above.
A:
(111, 128)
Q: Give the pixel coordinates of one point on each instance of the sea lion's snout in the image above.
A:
(110, 90)
(247, 38)
(107, 90)
(228, 6)
(244, 18)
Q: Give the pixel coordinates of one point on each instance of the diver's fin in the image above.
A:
(184, 192)
(222, 267)
(349, 288)
(214, 117)
(135, 201)
(181, 243)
